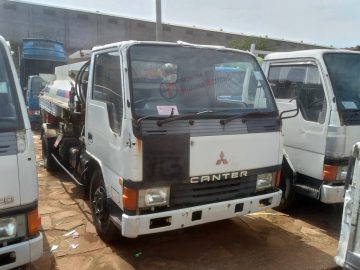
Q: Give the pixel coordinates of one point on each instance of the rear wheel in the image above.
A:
(47, 149)
(99, 209)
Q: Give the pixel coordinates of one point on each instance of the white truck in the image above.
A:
(164, 135)
(325, 84)
(20, 239)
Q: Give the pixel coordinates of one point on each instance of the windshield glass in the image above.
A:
(37, 84)
(181, 80)
(344, 71)
(9, 107)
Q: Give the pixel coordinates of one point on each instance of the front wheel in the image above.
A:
(288, 193)
(100, 213)
(47, 149)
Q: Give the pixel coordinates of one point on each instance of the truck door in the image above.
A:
(104, 110)
(348, 255)
(304, 135)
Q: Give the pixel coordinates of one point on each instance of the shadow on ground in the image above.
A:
(304, 238)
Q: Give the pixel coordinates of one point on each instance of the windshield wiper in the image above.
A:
(171, 117)
(223, 122)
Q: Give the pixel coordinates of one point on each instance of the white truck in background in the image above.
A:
(163, 135)
(325, 84)
(20, 239)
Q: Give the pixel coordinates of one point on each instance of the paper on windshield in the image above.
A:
(349, 105)
(3, 88)
(166, 110)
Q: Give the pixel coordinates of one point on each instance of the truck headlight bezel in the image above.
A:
(265, 181)
(12, 227)
(159, 196)
(334, 172)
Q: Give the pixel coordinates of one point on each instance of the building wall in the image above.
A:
(81, 30)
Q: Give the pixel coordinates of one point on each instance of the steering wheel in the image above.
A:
(168, 91)
(148, 99)
(316, 103)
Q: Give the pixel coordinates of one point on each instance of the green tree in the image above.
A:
(245, 44)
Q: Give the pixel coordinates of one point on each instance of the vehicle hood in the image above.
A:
(18, 179)
(9, 179)
(220, 154)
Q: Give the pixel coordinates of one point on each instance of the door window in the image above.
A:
(10, 113)
(107, 86)
(301, 81)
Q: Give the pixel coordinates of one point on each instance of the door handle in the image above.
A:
(90, 136)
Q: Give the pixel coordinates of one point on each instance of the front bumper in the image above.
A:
(332, 194)
(133, 226)
(23, 252)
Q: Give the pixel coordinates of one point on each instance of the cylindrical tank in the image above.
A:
(55, 96)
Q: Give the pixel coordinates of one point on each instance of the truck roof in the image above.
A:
(316, 53)
(179, 43)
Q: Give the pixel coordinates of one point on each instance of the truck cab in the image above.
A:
(20, 239)
(325, 85)
(164, 135)
(34, 86)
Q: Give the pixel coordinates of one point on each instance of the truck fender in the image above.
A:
(93, 165)
(288, 167)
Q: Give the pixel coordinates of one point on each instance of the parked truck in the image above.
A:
(38, 56)
(163, 136)
(34, 86)
(20, 239)
(326, 86)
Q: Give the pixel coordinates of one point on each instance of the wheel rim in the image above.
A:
(99, 204)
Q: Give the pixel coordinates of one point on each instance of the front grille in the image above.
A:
(12, 241)
(185, 195)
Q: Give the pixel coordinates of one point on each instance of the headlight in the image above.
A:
(153, 197)
(12, 227)
(341, 172)
(265, 181)
(7, 228)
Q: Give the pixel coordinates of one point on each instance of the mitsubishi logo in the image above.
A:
(222, 159)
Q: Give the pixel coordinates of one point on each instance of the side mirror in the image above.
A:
(296, 111)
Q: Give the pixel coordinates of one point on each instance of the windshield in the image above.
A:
(344, 71)
(181, 80)
(37, 84)
(10, 118)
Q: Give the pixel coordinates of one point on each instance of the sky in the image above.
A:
(324, 22)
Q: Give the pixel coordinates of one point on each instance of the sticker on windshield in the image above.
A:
(167, 110)
(349, 105)
(258, 76)
(3, 88)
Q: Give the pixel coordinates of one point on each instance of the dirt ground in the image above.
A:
(304, 238)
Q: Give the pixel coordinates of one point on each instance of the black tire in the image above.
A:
(47, 149)
(288, 195)
(100, 213)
